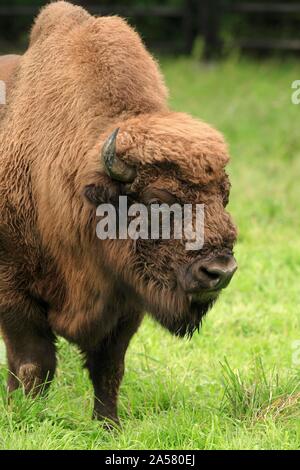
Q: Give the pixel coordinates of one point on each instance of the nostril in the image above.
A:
(223, 273)
(214, 275)
(205, 277)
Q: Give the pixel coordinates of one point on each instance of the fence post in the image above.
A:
(209, 25)
(189, 25)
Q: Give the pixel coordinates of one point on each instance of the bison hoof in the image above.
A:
(30, 378)
(108, 421)
(111, 425)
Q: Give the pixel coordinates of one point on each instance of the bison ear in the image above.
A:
(102, 194)
(114, 166)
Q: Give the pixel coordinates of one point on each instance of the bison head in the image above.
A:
(169, 158)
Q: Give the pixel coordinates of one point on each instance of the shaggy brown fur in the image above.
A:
(81, 78)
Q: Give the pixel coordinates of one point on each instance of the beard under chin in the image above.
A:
(188, 324)
(185, 323)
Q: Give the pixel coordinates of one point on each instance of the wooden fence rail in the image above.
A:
(184, 14)
(136, 11)
(212, 11)
(263, 7)
(274, 8)
(197, 18)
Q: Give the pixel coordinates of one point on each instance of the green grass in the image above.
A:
(236, 385)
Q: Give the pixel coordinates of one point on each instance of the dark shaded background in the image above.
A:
(215, 27)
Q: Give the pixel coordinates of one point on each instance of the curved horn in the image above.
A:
(114, 167)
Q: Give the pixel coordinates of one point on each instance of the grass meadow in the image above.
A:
(236, 385)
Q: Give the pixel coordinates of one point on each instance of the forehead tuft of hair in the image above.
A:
(198, 150)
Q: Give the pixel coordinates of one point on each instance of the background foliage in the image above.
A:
(157, 31)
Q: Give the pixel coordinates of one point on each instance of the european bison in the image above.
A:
(81, 79)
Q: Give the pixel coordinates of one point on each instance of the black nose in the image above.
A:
(214, 274)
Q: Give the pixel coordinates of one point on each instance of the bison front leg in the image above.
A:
(106, 368)
(30, 349)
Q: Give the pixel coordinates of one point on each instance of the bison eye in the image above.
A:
(158, 196)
